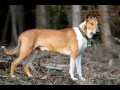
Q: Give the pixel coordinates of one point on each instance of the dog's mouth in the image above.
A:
(90, 33)
(97, 30)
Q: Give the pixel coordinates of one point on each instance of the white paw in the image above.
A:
(2, 47)
(74, 79)
(30, 76)
(83, 79)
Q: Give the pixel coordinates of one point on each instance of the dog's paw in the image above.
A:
(83, 79)
(30, 76)
(74, 79)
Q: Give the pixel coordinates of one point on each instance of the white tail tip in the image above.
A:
(2, 46)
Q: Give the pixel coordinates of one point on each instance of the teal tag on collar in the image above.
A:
(89, 45)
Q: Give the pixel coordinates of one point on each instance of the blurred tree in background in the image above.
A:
(76, 15)
(17, 18)
(41, 16)
(105, 26)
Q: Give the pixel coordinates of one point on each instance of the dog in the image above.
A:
(68, 41)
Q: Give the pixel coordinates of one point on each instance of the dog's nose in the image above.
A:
(92, 33)
(97, 30)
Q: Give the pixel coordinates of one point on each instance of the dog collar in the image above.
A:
(84, 35)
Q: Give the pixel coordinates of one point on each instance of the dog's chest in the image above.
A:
(82, 42)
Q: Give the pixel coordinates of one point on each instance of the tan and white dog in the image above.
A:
(69, 41)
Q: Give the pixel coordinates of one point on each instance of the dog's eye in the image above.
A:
(92, 23)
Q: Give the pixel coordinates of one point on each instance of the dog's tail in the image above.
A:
(12, 51)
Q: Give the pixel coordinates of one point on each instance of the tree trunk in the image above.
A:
(20, 18)
(76, 15)
(14, 36)
(105, 26)
(17, 12)
(69, 15)
(6, 26)
(41, 16)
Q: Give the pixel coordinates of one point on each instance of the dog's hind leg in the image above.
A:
(21, 57)
(29, 62)
(25, 51)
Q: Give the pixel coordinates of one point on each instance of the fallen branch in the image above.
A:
(59, 67)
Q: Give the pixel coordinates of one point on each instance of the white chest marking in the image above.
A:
(82, 42)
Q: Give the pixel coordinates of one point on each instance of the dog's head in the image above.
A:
(91, 25)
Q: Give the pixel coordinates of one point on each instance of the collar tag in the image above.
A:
(89, 45)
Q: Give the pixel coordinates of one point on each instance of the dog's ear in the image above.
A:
(92, 15)
(88, 16)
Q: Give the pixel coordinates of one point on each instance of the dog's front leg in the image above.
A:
(72, 69)
(78, 67)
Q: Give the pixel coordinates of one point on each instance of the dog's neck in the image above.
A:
(81, 25)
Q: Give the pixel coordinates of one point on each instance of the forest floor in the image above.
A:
(100, 66)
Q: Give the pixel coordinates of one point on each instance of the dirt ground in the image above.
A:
(100, 66)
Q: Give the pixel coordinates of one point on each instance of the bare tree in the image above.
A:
(14, 36)
(17, 13)
(41, 16)
(4, 33)
(76, 15)
(20, 18)
(105, 26)
(69, 14)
